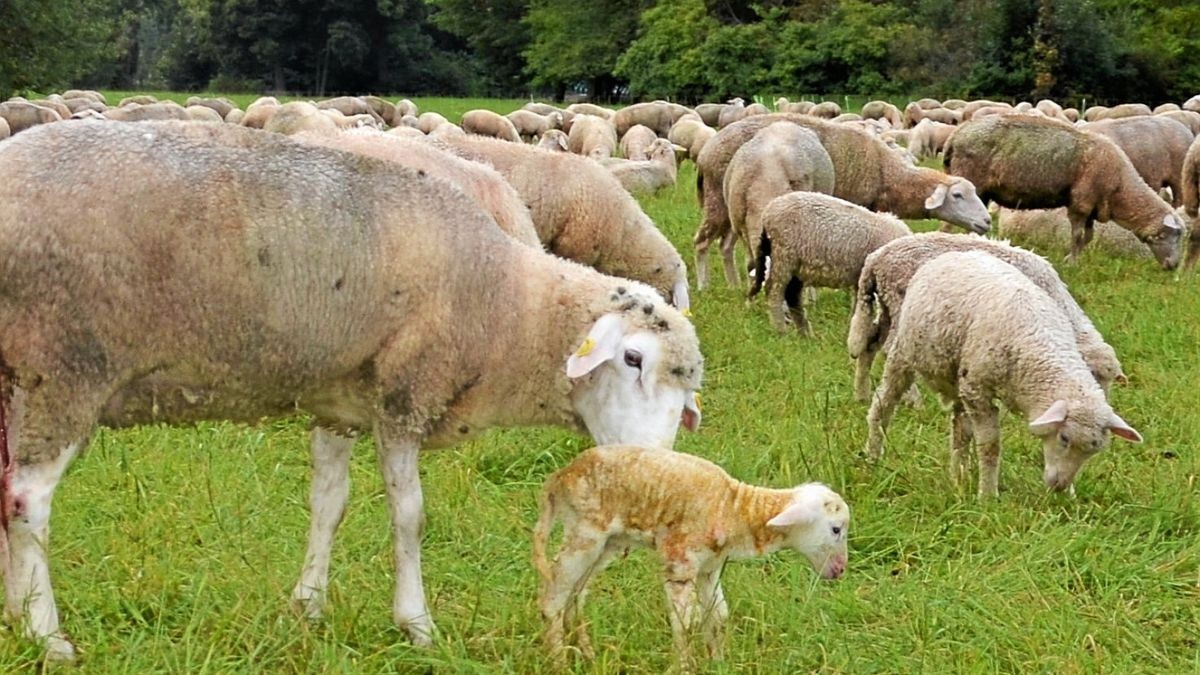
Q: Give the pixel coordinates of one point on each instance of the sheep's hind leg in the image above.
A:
(327, 503)
(793, 296)
(896, 380)
(1081, 233)
(728, 247)
(985, 425)
(576, 560)
(960, 445)
(574, 621)
(714, 611)
(681, 588)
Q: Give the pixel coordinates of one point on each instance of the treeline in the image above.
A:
(687, 50)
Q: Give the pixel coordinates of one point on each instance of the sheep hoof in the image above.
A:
(309, 603)
(59, 649)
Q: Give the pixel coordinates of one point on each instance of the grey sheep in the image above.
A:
(692, 134)
(22, 115)
(1191, 199)
(297, 116)
(555, 141)
(825, 110)
(882, 110)
(1156, 146)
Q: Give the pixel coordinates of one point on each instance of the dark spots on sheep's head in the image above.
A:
(337, 285)
(264, 256)
(662, 325)
(621, 290)
(631, 305)
(648, 310)
(658, 270)
(614, 297)
(679, 371)
(421, 173)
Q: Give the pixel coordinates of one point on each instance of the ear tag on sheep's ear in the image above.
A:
(586, 348)
(599, 346)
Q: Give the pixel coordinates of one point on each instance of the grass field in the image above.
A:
(175, 550)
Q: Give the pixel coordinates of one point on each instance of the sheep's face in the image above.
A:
(1072, 434)
(816, 524)
(1165, 243)
(636, 374)
(957, 203)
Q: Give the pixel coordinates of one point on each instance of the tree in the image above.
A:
(575, 42)
(496, 34)
(50, 45)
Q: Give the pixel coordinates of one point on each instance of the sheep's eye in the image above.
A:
(837, 529)
(633, 358)
(958, 195)
(1064, 439)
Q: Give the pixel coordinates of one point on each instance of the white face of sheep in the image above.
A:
(1071, 437)
(619, 393)
(817, 523)
(1165, 243)
(956, 203)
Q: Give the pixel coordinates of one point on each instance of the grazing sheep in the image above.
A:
(691, 134)
(969, 110)
(975, 329)
(755, 109)
(1187, 118)
(447, 130)
(1023, 106)
(21, 115)
(1191, 199)
(1051, 228)
(428, 121)
(140, 99)
(201, 113)
(954, 104)
(555, 141)
(543, 109)
(410, 122)
(1192, 103)
(150, 112)
(888, 271)
(1121, 111)
(1071, 115)
(222, 105)
(710, 113)
(235, 116)
(349, 106)
(592, 136)
(488, 123)
(591, 109)
(913, 114)
(359, 121)
(928, 138)
(1049, 108)
(297, 116)
(1156, 146)
(928, 103)
(781, 158)
(481, 183)
(407, 107)
(635, 143)
(1020, 161)
(77, 104)
(882, 110)
(817, 240)
(826, 110)
(582, 213)
(1094, 113)
(385, 110)
(5, 132)
(300, 278)
(866, 172)
(696, 516)
(642, 177)
(732, 112)
(1166, 107)
(799, 107)
(657, 115)
(531, 126)
(260, 112)
(404, 130)
(85, 93)
(848, 117)
(57, 106)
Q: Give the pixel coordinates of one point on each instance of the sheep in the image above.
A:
(531, 126)
(349, 106)
(200, 113)
(404, 130)
(779, 159)
(1192, 103)
(555, 141)
(77, 104)
(591, 109)
(1121, 111)
(385, 110)
(710, 113)
(635, 143)
(407, 107)
(86, 93)
(691, 134)
(1052, 228)
(5, 132)
(1028, 162)
(139, 99)
(693, 513)
(1166, 107)
(1190, 191)
(848, 117)
(928, 103)
(1071, 115)
(1049, 108)
(488, 123)
(447, 130)
(481, 183)
(733, 111)
(297, 116)
(969, 110)
(1155, 145)
(1187, 118)
(954, 104)
(755, 109)
(222, 105)
(260, 112)
(543, 109)
(976, 329)
(1094, 113)
(384, 329)
(657, 115)
(235, 116)
(913, 114)
(826, 110)
(57, 106)
(887, 272)
(928, 138)
(882, 110)
(582, 213)
(592, 136)
(357, 121)
(428, 121)
(22, 115)
(134, 112)
(410, 122)
(798, 107)
(1023, 106)
(641, 177)
(818, 240)
(866, 172)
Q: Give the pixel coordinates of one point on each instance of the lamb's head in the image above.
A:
(954, 200)
(816, 523)
(637, 371)
(1072, 432)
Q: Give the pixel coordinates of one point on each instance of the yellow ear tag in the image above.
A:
(586, 348)
(696, 398)
(687, 313)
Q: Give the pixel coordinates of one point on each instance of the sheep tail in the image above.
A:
(541, 532)
(760, 264)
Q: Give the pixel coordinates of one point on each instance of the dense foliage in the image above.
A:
(682, 49)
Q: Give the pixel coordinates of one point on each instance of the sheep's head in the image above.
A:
(956, 202)
(1072, 433)
(1165, 241)
(637, 371)
(816, 523)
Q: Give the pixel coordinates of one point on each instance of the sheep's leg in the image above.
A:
(960, 442)
(705, 234)
(792, 295)
(984, 419)
(398, 461)
(327, 504)
(574, 622)
(681, 587)
(896, 380)
(728, 246)
(912, 397)
(1081, 234)
(714, 611)
(569, 575)
(862, 375)
(1193, 246)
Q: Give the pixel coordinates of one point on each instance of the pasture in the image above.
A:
(175, 550)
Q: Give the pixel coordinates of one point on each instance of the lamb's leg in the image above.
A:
(896, 380)
(960, 442)
(775, 301)
(728, 246)
(681, 587)
(574, 621)
(327, 504)
(713, 611)
(795, 303)
(985, 425)
(862, 375)
(1193, 246)
(711, 228)
(572, 566)
(398, 461)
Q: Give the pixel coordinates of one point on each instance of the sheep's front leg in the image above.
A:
(960, 440)
(327, 503)
(728, 246)
(896, 380)
(1081, 233)
(681, 589)
(398, 461)
(985, 423)
(713, 611)
(862, 375)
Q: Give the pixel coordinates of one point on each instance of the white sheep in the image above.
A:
(816, 240)
(693, 514)
(293, 278)
(928, 138)
(692, 134)
(635, 144)
(555, 141)
(592, 136)
(658, 171)
(977, 330)
(490, 123)
(428, 121)
(532, 126)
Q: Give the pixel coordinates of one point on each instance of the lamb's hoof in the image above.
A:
(308, 603)
(59, 649)
(420, 633)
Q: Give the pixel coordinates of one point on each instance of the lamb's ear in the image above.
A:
(562, 143)
(599, 346)
(1121, 428)
(936, 199)
(1050, 420)
(690, 418)
(794, 514)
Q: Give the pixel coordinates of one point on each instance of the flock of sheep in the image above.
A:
(310, 256)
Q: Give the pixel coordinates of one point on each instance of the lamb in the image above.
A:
(976, 329)
(969, 110)
(657, 115)
(1187, 118)
(779, 159)
(531, 126)
(1190, 191)
(222, 105)
(555, 141)
(150, 112)
(591, 109)
(385, 110)
(410, 343)
(1049, 108)
(693, 513)
(297, 116)
(635, 144)
(1192, 103)
(1121, 111)
(817, 240)
(582, 213)
(913, 114)
(139, 99)
(235, 116)
(755, 109)
(481, 183)
(928, 138)
(732, 112)
(543, 109)
(85, 93)
(5, 132)
(350, 106)
(77, 104)
(642, 177)
(691, 134)
(56, 104)
(592, 136)
(882, 110)
(1028, 162)
(488, 123)
(22, 115)
(200, 113)
(447, 130)
(407, 107)
(1155, 145)
(886, 275)
(866, 172)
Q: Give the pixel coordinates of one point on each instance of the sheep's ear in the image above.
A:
(1171, 222)
(1050, 420)
(936, 199)
(562, 142)
(679, 297)
(599, 346)
(795, 514)
(690, 418)
(1121, 428)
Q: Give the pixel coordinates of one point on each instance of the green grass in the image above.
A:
(175, 550)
